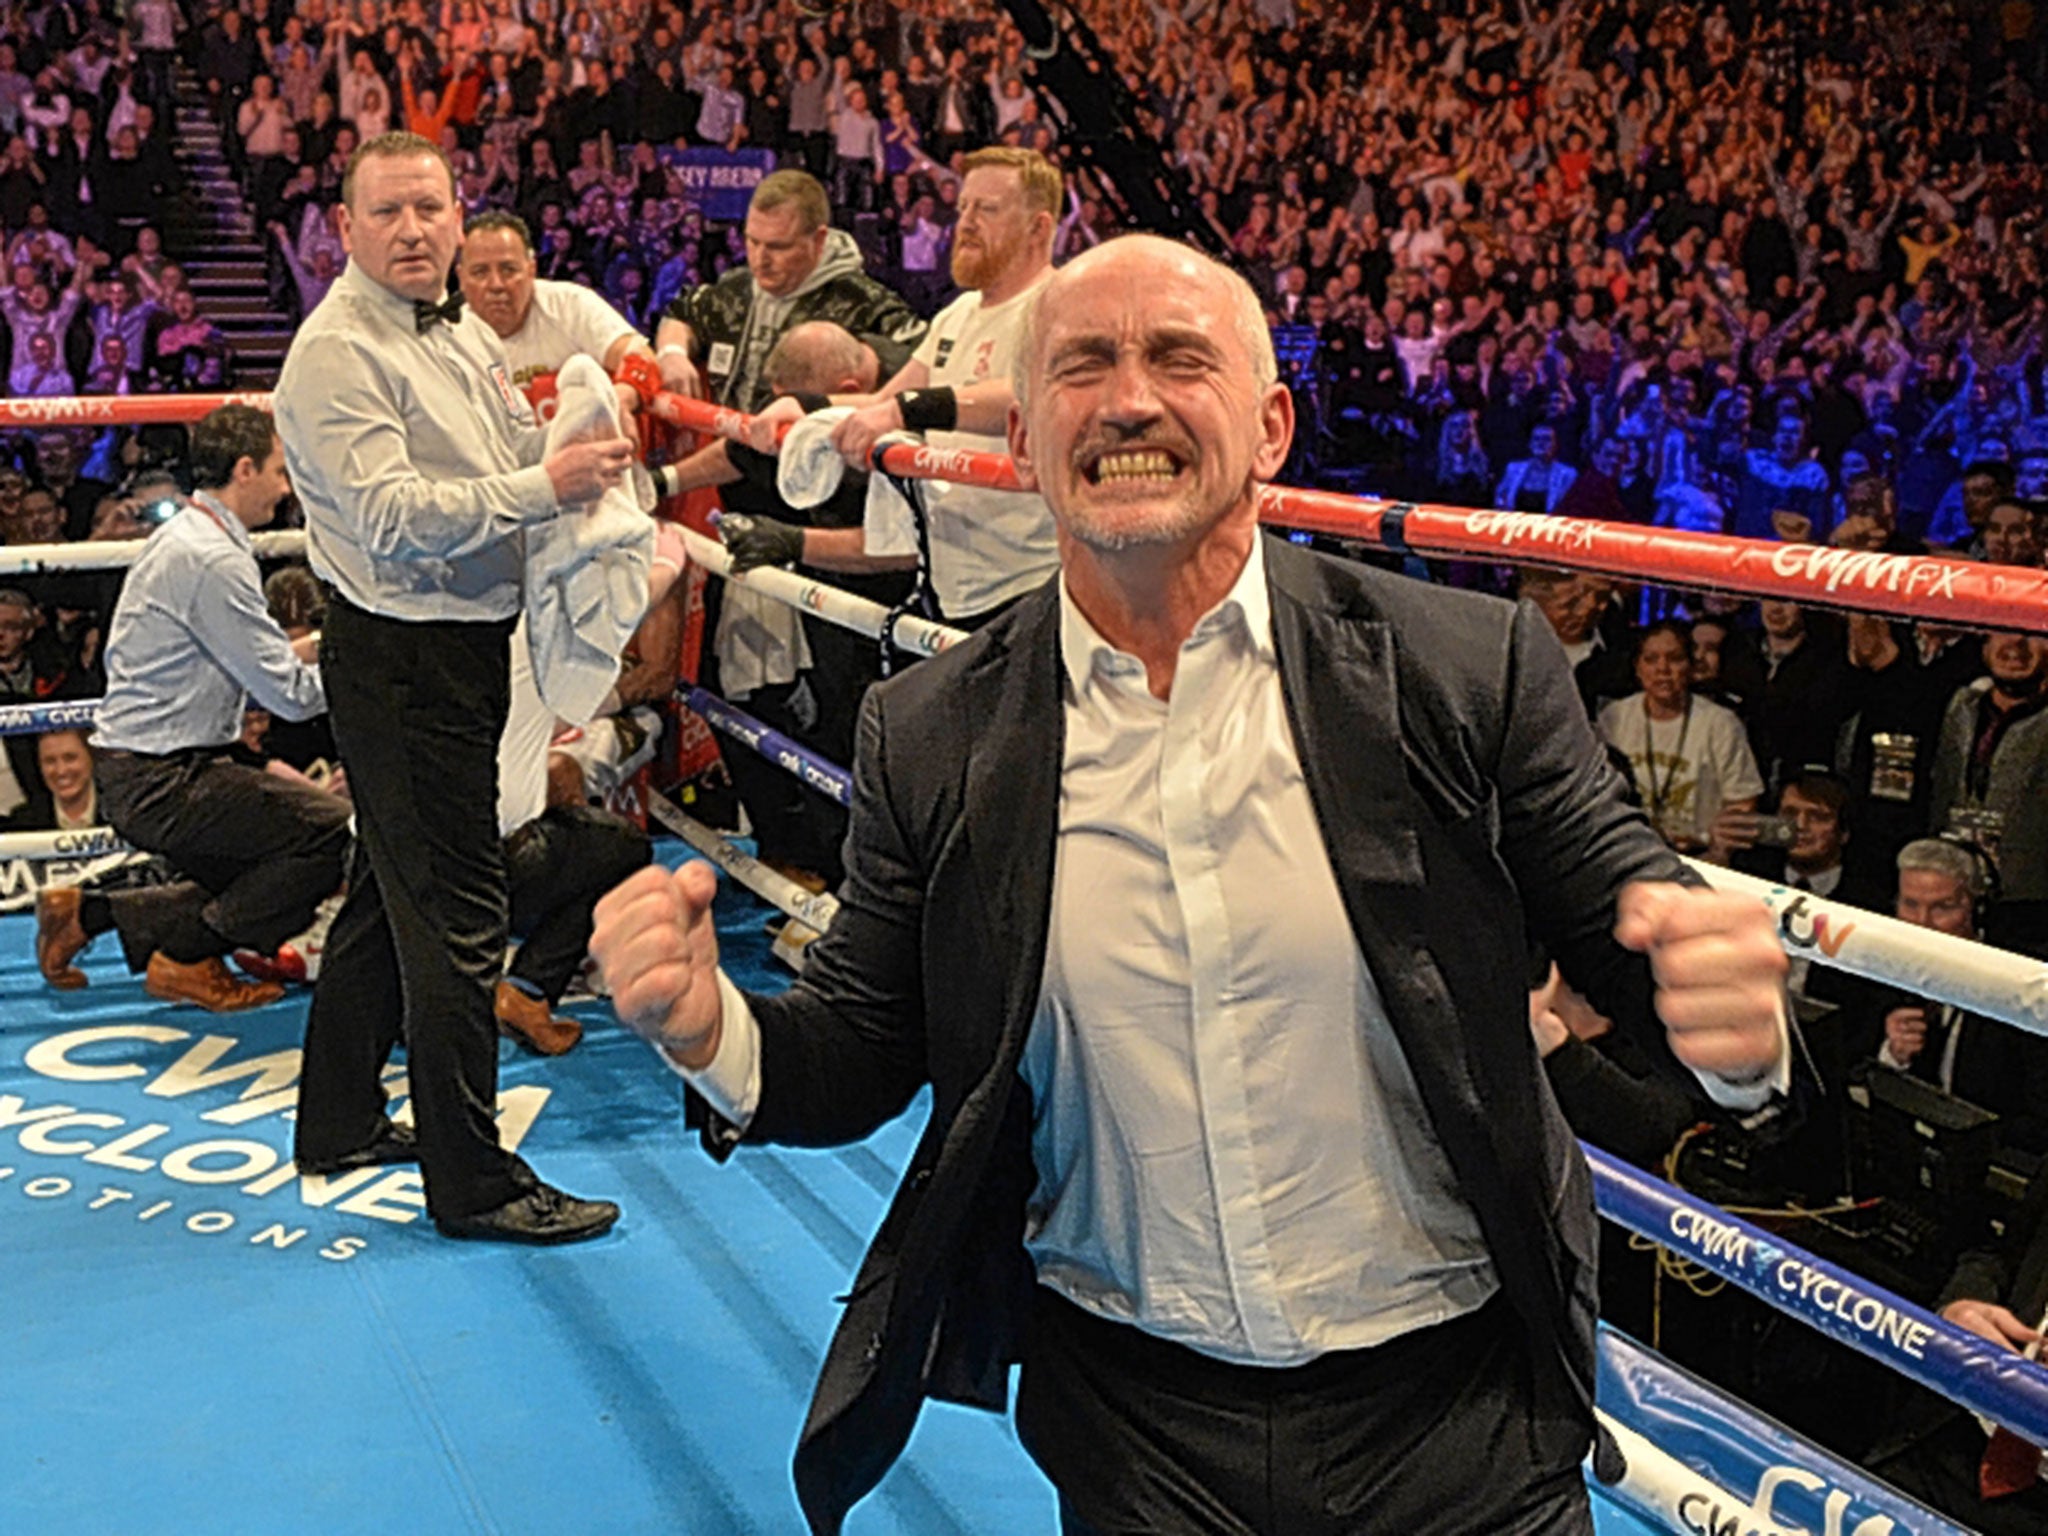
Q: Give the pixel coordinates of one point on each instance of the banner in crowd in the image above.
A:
(720, 181)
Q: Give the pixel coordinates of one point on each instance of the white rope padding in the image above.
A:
(1993, 982)
(119, 554)
(23, 878)
(922, 637)
(815, 910)
(75, 843)
(1664, 1488)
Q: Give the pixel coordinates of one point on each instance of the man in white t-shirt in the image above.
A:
(1690, 756)
(987, 548)
(542, 323)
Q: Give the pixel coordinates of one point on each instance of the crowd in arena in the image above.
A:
(1770, 271)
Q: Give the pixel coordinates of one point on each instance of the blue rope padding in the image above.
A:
(827, 777)
(30, 719)
(1963, 1368)
(1775, 1475)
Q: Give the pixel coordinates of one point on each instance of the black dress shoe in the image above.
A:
(392, 1144)
(543, 1214)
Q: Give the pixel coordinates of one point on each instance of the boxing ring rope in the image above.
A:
(121, 410)
(816, 910)
(1952, 1361)
(1960, 592)
(1976, 977)
(71, 843)
(919, 636)
(119, 554)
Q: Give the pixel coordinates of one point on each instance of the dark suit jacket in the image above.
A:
(1464, 802)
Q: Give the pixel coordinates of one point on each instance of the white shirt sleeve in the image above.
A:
(1754, 1094)
(731, 1081)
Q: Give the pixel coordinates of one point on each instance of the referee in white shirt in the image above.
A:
(419, 466)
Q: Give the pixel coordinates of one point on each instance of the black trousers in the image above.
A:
(558, 865)
(1436, 1431)
(258, 853)
(792, 823)
(417, 949)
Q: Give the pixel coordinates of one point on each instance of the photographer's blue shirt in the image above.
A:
(192, 641)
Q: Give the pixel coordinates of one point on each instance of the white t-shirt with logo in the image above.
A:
(1686, 769)
(564, 319)
(987, 546)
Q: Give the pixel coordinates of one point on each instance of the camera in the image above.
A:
(1775, 832)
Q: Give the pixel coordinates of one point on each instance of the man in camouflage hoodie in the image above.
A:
(713, 340)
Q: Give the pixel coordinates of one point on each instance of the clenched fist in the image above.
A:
(856, 436)
(765, 428)
(656, 946)
(1720, 974)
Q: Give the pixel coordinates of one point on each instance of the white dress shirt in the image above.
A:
(1232, 1151)
(1231, 1148)
(415, 457)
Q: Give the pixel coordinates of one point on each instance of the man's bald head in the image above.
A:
(820, 358)
(1163, 261)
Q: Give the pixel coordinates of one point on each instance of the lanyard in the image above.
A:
(196, 502)
(1660, 792)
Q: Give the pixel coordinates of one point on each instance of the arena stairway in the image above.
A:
(216, 240)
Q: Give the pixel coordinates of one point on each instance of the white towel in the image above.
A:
(761, 642)
(586, 570)
(810, 470)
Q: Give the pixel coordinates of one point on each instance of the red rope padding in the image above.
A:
(120, 410)
(1965, 593)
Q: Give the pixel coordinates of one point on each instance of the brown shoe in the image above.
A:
(532, 1023)
(208, 983)
(809, 879)
(60, 936)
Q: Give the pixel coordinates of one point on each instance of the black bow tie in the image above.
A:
(425, 314)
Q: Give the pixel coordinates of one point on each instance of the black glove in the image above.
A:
(757, 541)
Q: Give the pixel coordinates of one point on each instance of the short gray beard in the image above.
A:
(1172, 527)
